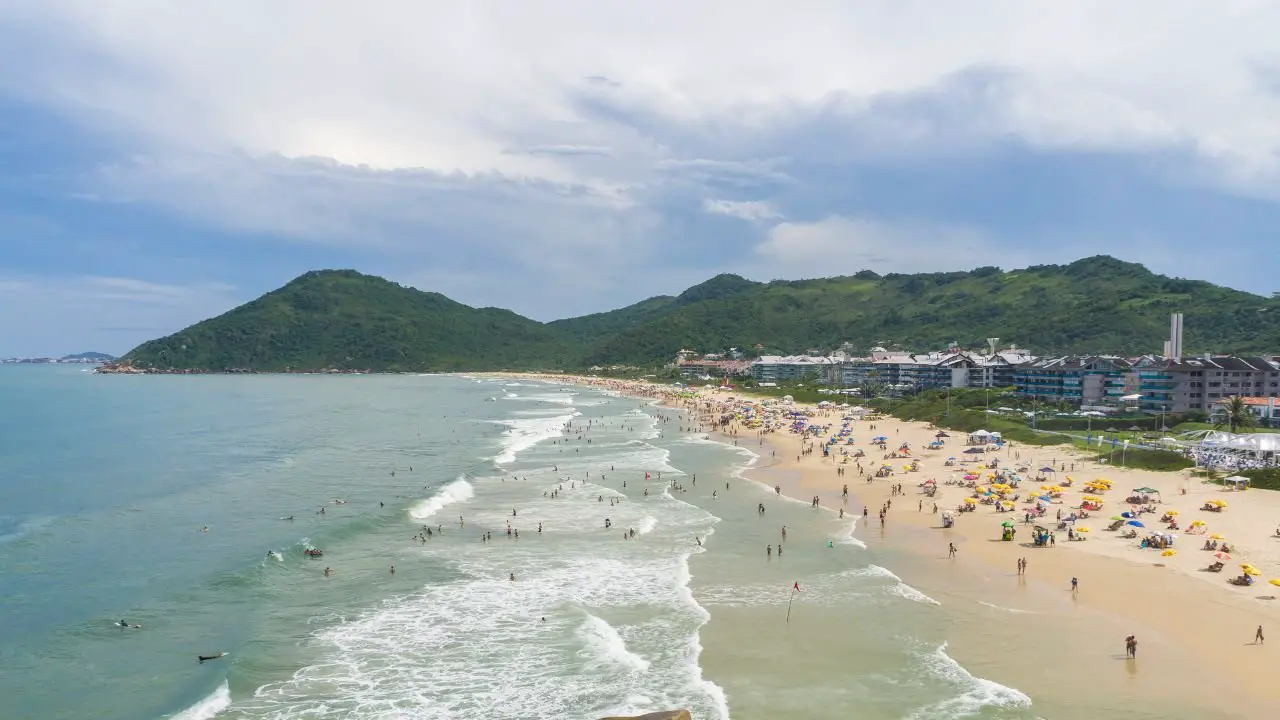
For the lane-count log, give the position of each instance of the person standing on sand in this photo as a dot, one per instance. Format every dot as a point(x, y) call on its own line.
point(951, 550)
point(1257, 636)
point(1075, 586)
point(1131, 647)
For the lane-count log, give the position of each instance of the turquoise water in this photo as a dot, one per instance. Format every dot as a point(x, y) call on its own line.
point(106, 485)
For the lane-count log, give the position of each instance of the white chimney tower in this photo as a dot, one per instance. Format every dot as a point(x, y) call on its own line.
point(1175, 336)
point(991, 345)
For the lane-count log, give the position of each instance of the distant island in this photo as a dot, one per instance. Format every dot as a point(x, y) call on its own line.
point(345, 321)
point(87, 358)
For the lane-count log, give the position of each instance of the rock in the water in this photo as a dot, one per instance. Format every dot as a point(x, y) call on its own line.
point(663, 715)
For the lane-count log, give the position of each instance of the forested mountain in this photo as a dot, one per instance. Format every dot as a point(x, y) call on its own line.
point(342, 319)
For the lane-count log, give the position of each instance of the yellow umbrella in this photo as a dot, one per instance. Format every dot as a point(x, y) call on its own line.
point(1167, 553)
point(1082, 529)
point(1217, 536)
point(1250, 570)
point(971, 501)
point(1275, 581)
point(1197, 523)
point(1171, 512)
point(1046, 488)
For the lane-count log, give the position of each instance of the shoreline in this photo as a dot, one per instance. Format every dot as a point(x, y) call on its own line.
point(1205, 624)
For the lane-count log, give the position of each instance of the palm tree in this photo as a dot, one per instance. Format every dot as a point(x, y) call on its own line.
point(1235, 414)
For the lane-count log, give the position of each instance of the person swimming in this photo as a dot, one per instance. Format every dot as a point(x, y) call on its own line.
point(125, 624)
point(211, 657)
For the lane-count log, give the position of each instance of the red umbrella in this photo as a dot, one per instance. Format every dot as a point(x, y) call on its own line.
point(1222, 556)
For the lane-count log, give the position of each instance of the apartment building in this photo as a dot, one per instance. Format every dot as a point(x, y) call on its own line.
point(782, 368)
point(1173, 385)
point(1081, 380)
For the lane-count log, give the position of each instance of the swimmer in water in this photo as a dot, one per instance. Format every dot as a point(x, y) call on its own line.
point(125, 624)
point(211, 657)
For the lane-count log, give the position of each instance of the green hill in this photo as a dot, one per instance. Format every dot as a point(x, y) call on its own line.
point(343, 319)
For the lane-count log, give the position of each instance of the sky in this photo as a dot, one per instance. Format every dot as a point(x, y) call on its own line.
point(161, 163)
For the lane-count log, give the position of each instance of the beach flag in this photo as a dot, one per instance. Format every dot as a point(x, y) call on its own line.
point(796, 587)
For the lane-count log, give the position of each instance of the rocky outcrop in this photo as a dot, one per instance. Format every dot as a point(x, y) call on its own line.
point(662, 715)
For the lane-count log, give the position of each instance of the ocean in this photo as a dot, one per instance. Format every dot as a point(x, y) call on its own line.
point(163, 501)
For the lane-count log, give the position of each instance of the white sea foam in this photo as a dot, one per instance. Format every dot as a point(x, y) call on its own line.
point(847, 538)
point(524, 433)
point(1008, 609)
point(25, 528)
point(898, 587)
point(975, 693)
point(209, 707)
point(601, 642)
point(904, 590)
point(646, 525)
point(457, 491)
point(555, 398)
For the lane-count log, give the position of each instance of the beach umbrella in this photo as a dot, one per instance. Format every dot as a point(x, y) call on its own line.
point(942, 434)
point(1169, 553)
point(1171, 512)
point(1135, 523)
point(1128, 514)
point(1082, 529)
point(1275, 581)
point(1217, 536)
point(1007, 523)
point(1045, 498)
point(1248, 569)
point(1222, 556)
point(1046, 468)
point(1116, 517)
point(971, 501)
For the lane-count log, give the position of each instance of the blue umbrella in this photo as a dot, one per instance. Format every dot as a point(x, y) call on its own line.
point(1128, 514)
point(1046, 498)
point(1135, 523)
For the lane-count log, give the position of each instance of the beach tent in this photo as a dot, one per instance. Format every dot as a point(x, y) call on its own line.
point(1149, 491)
point(1046, 468)
point(1237, 480)
point(974, 451)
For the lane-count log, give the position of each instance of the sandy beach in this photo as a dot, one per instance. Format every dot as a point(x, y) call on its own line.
point(1193, 627)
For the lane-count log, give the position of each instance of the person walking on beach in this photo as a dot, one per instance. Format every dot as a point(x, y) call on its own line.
point(1257, 636)
point(951, 550)
point(1075, 586)
point(1131, 647)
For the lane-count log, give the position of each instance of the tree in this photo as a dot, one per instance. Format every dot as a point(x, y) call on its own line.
point(1235, 414)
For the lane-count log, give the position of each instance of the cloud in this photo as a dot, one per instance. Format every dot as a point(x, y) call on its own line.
point(443, 86)
point(843, 246)
point(109, 314)
point(566, 150)
point(752, 210)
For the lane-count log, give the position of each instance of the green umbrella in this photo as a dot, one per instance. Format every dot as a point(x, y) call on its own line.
point(1007, 523)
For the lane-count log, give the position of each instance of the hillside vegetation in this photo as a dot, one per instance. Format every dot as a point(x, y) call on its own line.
point(343, 319)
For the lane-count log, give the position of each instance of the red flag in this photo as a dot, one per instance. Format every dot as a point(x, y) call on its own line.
point(796, 587)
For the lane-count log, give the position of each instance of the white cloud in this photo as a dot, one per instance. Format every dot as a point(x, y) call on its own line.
point(453, 86)
point(752, 210)
point(842, 246)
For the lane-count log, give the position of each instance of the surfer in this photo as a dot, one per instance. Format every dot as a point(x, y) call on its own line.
point(287, 518)
point(125, 624)
point(211, 657)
